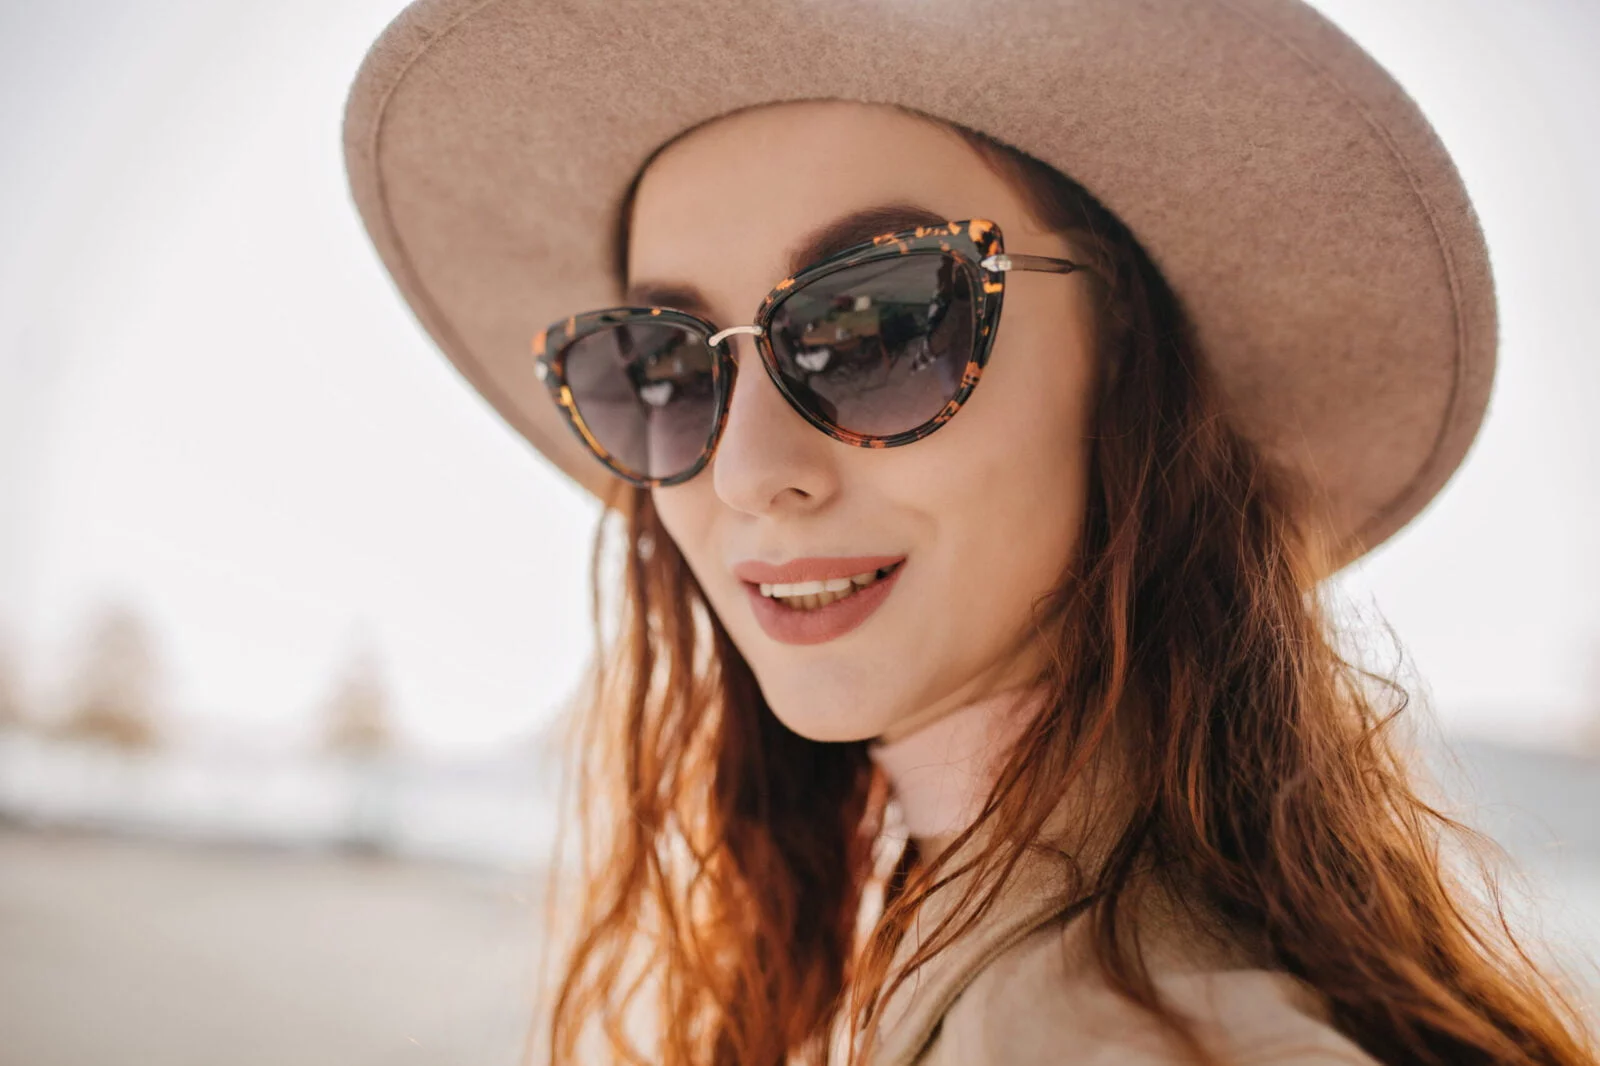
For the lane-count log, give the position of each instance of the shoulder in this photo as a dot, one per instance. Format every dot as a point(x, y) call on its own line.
point(1043, 1001)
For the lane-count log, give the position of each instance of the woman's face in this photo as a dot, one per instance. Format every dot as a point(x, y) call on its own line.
point(984, 512)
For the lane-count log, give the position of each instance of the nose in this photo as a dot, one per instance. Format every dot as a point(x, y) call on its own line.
point(769, 458)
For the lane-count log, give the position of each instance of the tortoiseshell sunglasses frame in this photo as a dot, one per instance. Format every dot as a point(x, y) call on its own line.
point(975, 244)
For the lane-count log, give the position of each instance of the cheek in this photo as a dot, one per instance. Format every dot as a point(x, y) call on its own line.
point(1009, 523)
point(688, 513)
point(1010, 473)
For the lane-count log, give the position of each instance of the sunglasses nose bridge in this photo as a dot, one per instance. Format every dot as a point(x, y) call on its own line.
point(718, 337)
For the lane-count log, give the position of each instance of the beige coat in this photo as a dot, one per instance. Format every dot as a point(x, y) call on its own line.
point(1020, 989)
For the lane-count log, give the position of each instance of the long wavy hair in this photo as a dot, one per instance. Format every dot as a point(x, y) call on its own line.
point(728, 862)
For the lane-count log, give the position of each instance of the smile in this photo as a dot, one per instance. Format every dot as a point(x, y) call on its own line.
point(813, 612)
point(809, 595)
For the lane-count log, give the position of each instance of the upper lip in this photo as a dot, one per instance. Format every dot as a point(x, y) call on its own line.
point(811, 569)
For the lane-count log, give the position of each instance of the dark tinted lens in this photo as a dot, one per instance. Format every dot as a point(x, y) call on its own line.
point(647, 392)
point(878, 348)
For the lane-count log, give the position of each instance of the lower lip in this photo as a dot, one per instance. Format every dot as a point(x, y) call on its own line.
point(790, 625)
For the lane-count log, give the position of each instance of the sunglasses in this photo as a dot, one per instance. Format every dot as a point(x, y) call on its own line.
point(877, 346)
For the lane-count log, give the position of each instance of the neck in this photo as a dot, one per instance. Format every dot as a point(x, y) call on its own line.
point(941, 773)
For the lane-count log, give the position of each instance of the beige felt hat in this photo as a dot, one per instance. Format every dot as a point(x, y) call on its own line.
point(1291, 192)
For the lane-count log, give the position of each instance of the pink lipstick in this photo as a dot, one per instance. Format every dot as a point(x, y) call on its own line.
point(816, 625)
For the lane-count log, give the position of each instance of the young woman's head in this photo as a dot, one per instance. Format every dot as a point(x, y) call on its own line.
point(983, 514)
point(1090, 524)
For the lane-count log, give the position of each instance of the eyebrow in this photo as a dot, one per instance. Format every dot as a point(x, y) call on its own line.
point(849, 229)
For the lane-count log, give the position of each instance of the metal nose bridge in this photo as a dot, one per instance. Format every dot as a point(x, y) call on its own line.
point(716, 338)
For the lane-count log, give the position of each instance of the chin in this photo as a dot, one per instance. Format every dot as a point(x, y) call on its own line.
point(815, 716)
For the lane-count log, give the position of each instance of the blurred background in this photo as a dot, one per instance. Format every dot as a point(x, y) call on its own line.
point(281, 641)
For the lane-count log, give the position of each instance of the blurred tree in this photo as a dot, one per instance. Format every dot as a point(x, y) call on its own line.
point(357, 718)
point(357, 730)
point(1589, 737)
point(115, 699)
point(12, 713)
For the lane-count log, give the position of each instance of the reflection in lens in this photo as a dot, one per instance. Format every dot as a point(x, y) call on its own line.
point(646, 392)
point(881, 347)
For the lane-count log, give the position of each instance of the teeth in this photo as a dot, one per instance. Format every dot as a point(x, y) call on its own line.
point(808, 595)
point(816, 588)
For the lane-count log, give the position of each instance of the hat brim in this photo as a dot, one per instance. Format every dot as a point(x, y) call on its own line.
point(1295, 197)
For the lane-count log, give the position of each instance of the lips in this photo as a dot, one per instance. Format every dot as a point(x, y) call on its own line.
point(752, 572)
point(817, 625)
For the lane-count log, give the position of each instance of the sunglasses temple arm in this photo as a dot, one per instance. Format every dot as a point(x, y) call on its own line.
point(1045, 263)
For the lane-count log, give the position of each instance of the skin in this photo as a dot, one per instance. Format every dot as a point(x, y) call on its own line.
point(986, 510)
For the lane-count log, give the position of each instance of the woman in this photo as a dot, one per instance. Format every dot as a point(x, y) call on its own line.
point(1046, 591)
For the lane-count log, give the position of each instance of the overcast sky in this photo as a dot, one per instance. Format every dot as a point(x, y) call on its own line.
point(214, 407)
